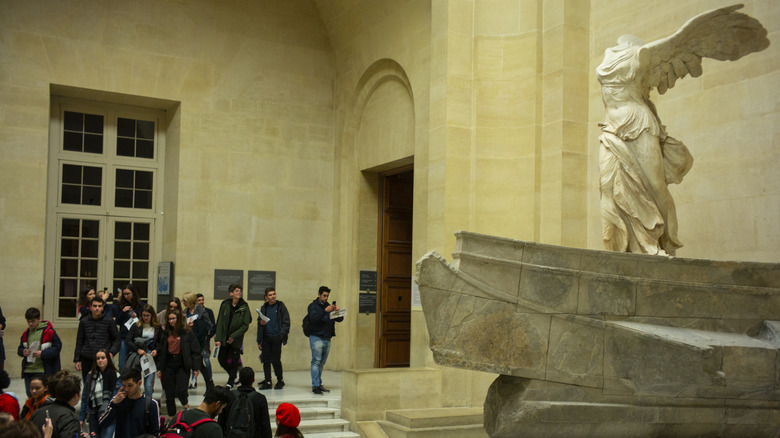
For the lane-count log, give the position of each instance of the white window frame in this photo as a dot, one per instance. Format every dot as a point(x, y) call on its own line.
point(106, 213)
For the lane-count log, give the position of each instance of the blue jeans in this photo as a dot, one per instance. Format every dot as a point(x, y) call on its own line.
point(122, 355)
point(106, 431)
point(320, 347)
point(149, 385)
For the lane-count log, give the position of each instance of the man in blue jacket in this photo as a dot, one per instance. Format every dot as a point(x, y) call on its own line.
point(321, 329)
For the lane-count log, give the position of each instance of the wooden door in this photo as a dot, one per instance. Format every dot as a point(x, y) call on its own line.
point(394, 303)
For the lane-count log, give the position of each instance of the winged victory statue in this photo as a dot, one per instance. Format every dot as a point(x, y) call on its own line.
point(637, 158)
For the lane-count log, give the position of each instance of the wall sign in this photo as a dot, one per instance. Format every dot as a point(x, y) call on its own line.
point(367, 303)
point(368, 281)
point(257, 282)
point(165, 278)
point(223, 278)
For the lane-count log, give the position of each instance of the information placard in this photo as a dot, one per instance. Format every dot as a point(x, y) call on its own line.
point(223, 278)
point(258, 281)
point(368, 281)
point(367, 303)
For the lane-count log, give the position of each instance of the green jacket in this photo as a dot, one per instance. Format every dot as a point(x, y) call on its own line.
point(238, 326)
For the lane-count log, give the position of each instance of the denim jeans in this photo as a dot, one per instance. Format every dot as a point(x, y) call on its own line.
point(105, 431)
point(320, 347)
point(149, 385)
point(123, 352)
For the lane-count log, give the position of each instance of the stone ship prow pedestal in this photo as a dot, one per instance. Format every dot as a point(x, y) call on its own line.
point(598, 343)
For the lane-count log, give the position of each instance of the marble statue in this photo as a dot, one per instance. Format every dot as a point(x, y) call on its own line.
point(637, 158)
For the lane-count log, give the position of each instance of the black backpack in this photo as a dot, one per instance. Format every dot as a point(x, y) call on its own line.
point(180, 429)
point(241, 419)
point(306, 330)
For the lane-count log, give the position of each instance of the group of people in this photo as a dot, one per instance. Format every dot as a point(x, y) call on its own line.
point(117, 399)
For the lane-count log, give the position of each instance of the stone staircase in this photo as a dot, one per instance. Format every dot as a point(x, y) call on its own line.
point(426, 423)
point(320, 417)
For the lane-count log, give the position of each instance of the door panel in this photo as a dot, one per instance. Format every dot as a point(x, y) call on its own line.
point(395, 270)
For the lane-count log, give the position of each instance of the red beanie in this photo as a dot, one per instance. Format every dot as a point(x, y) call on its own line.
point(288, 415)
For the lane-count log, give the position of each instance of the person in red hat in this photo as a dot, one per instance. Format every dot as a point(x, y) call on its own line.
point(288, 417)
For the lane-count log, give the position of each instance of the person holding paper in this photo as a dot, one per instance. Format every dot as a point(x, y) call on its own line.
point(273, 326)
point(101, 384)
point(200, 323)
point(41, 345)
point(130, 308)
point(322, 329)
point(95, 332)
point(233, 321)
point(142, 337)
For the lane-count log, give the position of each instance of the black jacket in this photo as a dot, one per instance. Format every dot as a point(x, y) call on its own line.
point(262, 426)
point(190, 351)
point(95, 334)
point(284, 322)
point(320, 324)
point(63, 418)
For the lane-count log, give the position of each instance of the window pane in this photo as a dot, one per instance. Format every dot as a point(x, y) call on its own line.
point(89, 248)
point(67, 308)
point(93, 123)
point(143, 287)
point(93, 143)
point(141, 251)
point(122, 230)
point(69, 267)
point(70, 227)
point(124, 198)
point(88, 268)
point(124, 178)
point(122, 250)
point(140, 270)
point(143, 199)
point(90, 229)
point(71, 174)
point(71, 194)
point(141, 231)
point(145, 129)
point(143, 180)
point(121, 269)
point(72, 141)
point(144, 149)
point(69, 248)
point(74, 121)
point(90, 196)
point(125, 127)
point(125, 147)
point(93, 176)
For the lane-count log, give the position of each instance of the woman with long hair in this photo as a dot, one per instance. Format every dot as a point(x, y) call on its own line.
point(173, 303)
point(99, 387)
point(85, 297)
point(288, 417)
point(38, 395)
point(179, 353)
point(130, 306)
point(142, 338)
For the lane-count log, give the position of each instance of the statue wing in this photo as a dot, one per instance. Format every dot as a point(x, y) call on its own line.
point(722, 34)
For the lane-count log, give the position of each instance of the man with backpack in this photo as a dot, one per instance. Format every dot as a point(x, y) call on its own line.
point(199, 422)
point(133, 412)
point(246, 416)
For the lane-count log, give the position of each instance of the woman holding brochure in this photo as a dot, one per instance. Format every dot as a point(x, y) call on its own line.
point(200, 323)
point(142, 338)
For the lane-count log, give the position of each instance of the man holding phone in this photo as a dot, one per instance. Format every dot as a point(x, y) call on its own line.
point(134, 414)
point(321, 328)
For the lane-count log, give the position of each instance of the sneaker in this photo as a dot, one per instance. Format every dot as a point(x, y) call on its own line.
point(322, 388)
point(317, 390)
point(190, 387)
point(229, 385)
point(265, 384)
point(279, 384)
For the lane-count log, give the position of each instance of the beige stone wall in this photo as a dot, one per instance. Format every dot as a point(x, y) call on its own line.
point(729, 204)
point(250, 160)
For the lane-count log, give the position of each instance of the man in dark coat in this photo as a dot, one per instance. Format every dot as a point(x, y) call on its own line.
point(96, 331)
point(321, 329)
point(261, 421)
point(271, 335)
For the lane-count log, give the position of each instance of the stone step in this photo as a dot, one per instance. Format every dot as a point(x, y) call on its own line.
point(371, 429)
point(312, 413)
point(307, 427)
point(432, 423)
point(345, 434)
